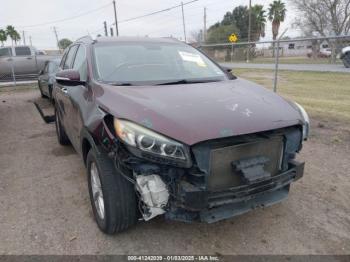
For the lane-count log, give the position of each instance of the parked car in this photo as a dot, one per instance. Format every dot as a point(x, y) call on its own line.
point(345, 56)
point(322, 53)
point(47, 76)
point(25, 61)
point(162, 129)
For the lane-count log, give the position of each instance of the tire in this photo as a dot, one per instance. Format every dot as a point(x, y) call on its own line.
point(346, 60)
point(118, 194)
point(61, 133)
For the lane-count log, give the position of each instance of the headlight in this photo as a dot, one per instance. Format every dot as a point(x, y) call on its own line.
point(149, 141)
point(306, 124)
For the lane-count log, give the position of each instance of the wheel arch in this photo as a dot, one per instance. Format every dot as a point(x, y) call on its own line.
point(87, 142)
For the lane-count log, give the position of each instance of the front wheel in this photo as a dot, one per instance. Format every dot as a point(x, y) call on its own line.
point(112, 197)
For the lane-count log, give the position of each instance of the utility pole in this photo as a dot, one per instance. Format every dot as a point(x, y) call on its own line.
point(112, 31)
point(183, 20)
point(30, 40)
point(55, 32)
point(116, 19)
point(249, 29)
point(205, 25)
point(24, 38)
point(105, 26)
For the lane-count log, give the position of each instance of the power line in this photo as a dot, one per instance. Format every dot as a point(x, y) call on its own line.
point(66, 19)
point(156, 12)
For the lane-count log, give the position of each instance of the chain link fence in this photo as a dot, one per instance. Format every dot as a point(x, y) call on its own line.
point(321, 54)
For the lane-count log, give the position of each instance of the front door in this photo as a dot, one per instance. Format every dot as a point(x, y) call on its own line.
point(63, 95)
point(79, 96)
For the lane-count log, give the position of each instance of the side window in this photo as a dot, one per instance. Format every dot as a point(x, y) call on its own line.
point(70, 57)
point(52, 67)
point(5, 52)
point(63, 59)
point(80, 63)
point(23, 51)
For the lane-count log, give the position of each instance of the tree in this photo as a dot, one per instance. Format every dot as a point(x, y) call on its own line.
point(324, 17)
point(220, 33)
point(237, 21)
point(259, 17)
point(3, 36)
point(12, 33)
point(277, 14)
point(240, 17)
point(16, 37)
point(64, 43)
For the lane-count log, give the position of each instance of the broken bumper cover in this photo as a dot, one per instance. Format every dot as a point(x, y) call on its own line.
point(198, 204)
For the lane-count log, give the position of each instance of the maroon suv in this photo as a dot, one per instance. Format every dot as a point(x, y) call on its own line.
point(162, 129)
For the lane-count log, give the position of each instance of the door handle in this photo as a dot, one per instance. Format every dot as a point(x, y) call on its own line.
point(29, 58)
point(9, 59)
point(64, 90)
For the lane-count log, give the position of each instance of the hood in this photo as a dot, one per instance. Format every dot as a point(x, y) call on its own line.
point(345, 50)
point(193, 113)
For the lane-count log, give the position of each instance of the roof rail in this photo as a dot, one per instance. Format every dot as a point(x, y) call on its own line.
point(86, 38)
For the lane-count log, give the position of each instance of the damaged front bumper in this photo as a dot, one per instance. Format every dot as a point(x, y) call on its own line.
point(228, 177)
point(196, 204)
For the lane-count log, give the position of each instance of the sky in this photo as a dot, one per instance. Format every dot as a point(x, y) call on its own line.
point(38, 17)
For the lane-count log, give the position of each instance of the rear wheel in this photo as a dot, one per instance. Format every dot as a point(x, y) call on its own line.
point(50, 93)
point(346, 60)
point(112, 197)
point(61, 133)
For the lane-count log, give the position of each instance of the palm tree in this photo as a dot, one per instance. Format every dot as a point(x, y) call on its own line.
point(260, 20)
point(277, 14)
point(3, 36)
point(12, 33)
point(16, 37)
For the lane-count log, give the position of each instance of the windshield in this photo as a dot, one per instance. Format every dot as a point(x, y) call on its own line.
point(153, 63)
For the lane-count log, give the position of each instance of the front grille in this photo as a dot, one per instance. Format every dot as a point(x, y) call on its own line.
point(223, 175)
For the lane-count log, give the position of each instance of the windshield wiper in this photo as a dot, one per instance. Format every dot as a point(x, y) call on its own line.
point(120, 84)
point(185, 81)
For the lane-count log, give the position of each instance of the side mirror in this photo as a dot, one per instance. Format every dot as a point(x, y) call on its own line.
point(69, 77)
point(228, 71)
point(41, 72)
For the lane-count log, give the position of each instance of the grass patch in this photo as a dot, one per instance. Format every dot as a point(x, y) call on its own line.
point(321, 93)
point(293, 60)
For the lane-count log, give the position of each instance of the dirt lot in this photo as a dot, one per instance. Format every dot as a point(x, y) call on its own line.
point(45, 207)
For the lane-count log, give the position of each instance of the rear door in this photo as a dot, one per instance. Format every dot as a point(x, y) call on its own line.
point(24, 61)
point(62, 93)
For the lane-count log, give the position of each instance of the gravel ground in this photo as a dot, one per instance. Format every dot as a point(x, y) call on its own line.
point(45, 207)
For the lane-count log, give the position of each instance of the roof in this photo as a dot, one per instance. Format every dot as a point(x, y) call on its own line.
point(119, 39)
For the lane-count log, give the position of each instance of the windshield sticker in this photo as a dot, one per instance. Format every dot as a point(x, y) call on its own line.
point(190, 57)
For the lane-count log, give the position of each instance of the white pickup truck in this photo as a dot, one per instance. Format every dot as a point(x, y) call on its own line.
point(24, 61)
point(345, 56)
